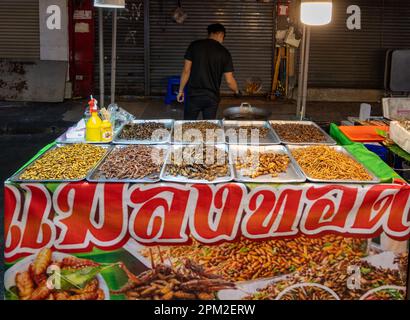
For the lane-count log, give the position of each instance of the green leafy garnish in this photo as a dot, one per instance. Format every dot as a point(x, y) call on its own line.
point(206, 251)
point(12, 294)
point(365, 270)
point(244, 250)
point(80, 278)
point(395, 294)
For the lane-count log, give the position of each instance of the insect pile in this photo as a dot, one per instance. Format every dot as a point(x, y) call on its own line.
point(142, 131)
point(249, 260)
point(132, 162)
point(250, 131)
point(188, 281)
point(255, 164)
point(322, 162)
point(199, 162)
point(334, 277)
point(69, 162)
point(198, 131)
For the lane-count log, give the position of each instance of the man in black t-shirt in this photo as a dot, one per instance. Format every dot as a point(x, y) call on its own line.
point(206, 61)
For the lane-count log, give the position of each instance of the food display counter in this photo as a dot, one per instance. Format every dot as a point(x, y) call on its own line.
point(174, 218)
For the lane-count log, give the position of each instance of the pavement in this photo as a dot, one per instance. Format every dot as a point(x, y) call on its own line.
point(26, 127)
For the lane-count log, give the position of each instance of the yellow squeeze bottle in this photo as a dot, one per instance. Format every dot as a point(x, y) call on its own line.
point(93, 126)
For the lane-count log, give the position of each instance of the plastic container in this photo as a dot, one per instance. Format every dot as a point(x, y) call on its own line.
point(364, 133)
point(381, 151)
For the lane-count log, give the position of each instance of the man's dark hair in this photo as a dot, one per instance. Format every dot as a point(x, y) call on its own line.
point(215, 28)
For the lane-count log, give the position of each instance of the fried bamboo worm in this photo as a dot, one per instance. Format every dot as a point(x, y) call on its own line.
point(42, 261)
point(25, 285)
point(41, 293)
point(85, 296)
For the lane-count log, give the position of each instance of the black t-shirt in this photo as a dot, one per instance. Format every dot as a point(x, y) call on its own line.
point(210, 60)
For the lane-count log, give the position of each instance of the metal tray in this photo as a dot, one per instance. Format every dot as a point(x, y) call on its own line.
point(375, 180)
point(169, 124)
point(271, 138)
point(293, 175)
point(96, 176)
point(178, 123)
point(181, 179)
point(16, 176)
point(328, 141)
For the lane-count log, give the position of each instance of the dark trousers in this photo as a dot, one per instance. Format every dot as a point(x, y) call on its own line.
point(195, 105)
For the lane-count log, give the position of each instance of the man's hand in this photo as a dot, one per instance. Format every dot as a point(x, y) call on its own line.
point(238, 94)
point(181, 97)
point(232, 84)
point(186, 73)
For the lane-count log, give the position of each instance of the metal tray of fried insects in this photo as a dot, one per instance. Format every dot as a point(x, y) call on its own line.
point(234, 137)
point(340, 149)
point(327, 139)
point(17, 175)
point(161, 138)
point(165, 176)
point(178, 134)
point(293, 173)
point(97, 176)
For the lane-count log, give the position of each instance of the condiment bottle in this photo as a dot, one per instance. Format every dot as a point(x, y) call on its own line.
point(106, 131)
point(93, 126)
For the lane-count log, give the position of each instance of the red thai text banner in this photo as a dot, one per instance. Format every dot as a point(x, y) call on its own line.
point(77, 217)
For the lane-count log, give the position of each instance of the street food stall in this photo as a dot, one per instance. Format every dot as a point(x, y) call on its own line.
point(277, 210)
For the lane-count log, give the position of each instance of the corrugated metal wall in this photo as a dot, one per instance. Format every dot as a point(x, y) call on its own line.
point(249, 37)
point(130, 49)
point(19, 30)
point(343, 58)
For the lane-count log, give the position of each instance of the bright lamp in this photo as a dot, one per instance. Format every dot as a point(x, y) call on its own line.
point(116, 4)
point(316, 13)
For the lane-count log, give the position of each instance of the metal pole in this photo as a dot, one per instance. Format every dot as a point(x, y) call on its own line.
point(305, 74)
point(113, 54)
point(301, 68)
point(101, 48)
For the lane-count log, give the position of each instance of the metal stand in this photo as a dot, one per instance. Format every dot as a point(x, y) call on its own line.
point(113, 55)
point(101, 48)
point(301, 69)
point(303, 73)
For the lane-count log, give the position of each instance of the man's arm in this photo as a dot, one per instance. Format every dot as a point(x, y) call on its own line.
point(186, 73)
point(232, 84)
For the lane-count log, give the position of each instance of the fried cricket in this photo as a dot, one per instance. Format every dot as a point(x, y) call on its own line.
point(163, 282)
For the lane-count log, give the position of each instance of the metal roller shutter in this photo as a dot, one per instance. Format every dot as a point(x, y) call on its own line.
point(249, 37)
point(19, 30)
point(130, 49)
point(342, 58)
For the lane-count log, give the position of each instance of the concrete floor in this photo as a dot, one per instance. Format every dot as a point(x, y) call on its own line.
point(26, 127)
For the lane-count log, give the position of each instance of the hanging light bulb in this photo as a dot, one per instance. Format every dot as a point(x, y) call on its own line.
point(118, 4)
point(316, 12)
